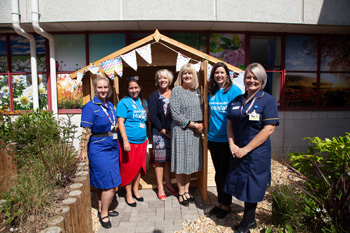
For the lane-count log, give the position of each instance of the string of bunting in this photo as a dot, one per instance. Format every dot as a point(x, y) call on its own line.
point(115, 65)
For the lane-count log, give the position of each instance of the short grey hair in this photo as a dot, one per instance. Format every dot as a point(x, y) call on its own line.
point(259, 72)
point(165, 73)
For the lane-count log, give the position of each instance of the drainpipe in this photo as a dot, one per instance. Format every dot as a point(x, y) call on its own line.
point(33, 62)
point(40, 31)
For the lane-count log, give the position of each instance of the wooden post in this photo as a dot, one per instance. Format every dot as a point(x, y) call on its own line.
point(81, 210)
point(65, 212)
point(86, 198)
point(72, 203)
point(56, 221)
point(52, 230)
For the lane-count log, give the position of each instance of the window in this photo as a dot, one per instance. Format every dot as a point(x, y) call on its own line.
point(229, 48)
point(69, 92)
point(195, 40)
point(3, 56)
point(101, 45)
point(70, 52)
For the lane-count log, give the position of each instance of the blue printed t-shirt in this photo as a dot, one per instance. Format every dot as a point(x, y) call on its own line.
point(95, 118)
point(134, 116)
point(218, 113)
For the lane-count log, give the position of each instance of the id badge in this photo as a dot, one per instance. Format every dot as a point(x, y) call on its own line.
point(142, 125)
point(254, 117)
point(115, 136)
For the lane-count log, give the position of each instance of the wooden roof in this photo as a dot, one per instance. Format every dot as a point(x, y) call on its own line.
point(164, 53)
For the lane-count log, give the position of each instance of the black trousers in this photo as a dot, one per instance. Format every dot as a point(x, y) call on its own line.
point(220, 154)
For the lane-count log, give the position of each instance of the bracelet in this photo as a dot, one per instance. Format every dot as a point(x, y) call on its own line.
point(194, 125)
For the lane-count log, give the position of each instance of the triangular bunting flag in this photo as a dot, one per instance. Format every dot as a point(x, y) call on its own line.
point(232, 75)
point(239, 81)
point(94, 69)
point(210, 67)
point(197, 66)
point(181, 60)
point(130, 59)
point(109, 66)
point(79, 76)
point(145, 53)
point(119, 66)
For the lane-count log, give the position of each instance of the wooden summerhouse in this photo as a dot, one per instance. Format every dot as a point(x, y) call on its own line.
point(164, 56)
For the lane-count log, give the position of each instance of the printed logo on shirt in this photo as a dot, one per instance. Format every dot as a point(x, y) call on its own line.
point(218, 106)
point(139, 114)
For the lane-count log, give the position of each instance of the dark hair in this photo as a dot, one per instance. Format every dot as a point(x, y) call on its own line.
point(213, 86)
point(136, 80)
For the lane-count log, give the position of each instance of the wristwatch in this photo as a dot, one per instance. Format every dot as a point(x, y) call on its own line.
point(194, 125)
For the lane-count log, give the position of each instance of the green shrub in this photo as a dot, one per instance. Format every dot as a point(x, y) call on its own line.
point(45, 159)
point(287, 207)
point(325, 173)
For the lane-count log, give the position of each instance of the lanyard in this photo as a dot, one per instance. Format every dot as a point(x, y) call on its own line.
point(109, 117)
point(141, 111)
point(250, 106)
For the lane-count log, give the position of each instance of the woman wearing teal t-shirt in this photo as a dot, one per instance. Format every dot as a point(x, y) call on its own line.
point(132, 118)
point(222, 92)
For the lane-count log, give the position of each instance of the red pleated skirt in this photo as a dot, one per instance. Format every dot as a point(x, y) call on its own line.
point(132, 162)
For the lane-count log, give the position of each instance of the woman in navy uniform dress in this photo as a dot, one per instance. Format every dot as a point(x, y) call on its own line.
point(99, 119)
point(252, 119)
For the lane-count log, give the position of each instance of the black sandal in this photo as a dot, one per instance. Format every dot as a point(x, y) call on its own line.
point(184, 201)
point(105, 224)
point(191, 198)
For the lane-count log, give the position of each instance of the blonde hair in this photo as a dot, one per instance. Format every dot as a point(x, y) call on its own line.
point(190, 69)
point(103, 76)
point(165, 73)
point(259, 72)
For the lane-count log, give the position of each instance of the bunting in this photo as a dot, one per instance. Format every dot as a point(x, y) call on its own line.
point(94, 69)
point(239, 81)
point(181, 60)
point(130, 59)
point(79, 76)
point(109, 66)
point(145, 53)
point(197, 66)
point(210, 67)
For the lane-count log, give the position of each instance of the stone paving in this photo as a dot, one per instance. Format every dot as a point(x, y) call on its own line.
point(156, 216)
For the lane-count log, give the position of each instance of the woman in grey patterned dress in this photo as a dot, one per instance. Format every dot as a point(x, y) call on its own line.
point(186, 145)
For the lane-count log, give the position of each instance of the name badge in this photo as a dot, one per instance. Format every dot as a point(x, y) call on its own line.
point(254, 116)
point(115, 136)
point(235, 107)
point(142, 125)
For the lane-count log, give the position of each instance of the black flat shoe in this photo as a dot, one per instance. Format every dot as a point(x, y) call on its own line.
point(252, 225)
point(214, 210)
point(191, 198)
point(184, 201)
point(111, 213)
point(140, 199)
point(241, 230)
point(222, 213)
point(105, 224)
point(130, 204)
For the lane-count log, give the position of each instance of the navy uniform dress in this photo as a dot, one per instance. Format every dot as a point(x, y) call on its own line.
point(248, 177)
point(103, 152)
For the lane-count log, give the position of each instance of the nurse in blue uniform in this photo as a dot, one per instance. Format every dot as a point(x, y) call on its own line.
point(252, 119)
point(99, 120)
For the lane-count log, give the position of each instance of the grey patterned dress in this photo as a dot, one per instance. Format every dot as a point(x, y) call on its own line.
point(186, 145)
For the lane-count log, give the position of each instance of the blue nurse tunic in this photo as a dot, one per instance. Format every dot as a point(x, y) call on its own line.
point(248, 177)
point(103, 152)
